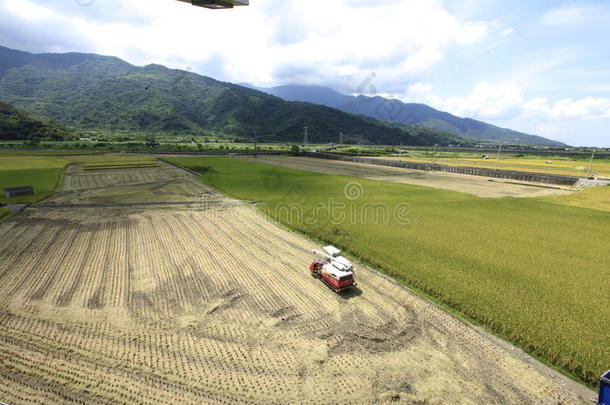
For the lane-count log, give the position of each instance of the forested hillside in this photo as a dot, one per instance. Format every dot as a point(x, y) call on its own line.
point(99, 92)
point(18, 125)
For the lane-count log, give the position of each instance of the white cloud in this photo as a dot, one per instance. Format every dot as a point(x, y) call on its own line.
point(504, 104)
point(328, 37)
point(506, 100)
point(27, 11)
point(567, 109)
point(507, 31)
point(576, 15)
point(420, 93)
point(486, 100)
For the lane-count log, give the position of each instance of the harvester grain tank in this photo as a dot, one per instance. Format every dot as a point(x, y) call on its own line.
point(333, 269)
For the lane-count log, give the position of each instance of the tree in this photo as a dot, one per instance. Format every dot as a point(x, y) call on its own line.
point(151, 141)
point(295, 149)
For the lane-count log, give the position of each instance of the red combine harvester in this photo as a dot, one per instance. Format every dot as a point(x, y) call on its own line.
point(333, 269)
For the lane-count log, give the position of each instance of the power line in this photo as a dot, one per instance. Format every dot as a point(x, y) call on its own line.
point(591, 164)
point(498, 157)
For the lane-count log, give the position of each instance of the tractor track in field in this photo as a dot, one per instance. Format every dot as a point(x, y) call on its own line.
point(150, 304)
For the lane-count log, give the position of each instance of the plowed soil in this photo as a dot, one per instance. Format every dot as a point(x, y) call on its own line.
point(215, 304)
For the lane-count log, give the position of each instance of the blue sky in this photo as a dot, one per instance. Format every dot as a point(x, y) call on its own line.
point(541, 67)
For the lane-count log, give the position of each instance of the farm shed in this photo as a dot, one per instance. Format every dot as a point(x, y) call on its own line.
point(18, 191)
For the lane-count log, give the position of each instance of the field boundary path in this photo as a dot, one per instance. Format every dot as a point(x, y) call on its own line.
point(472, 171)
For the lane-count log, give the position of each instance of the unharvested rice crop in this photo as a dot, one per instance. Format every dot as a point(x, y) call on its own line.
point(595, 198)
point(557, 165)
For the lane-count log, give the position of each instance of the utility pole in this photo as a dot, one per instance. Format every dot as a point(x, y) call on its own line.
point(498, 157)
point(255, 156)
point(306, 137)
point(434, 154)
point(591, 164)
point(340, 138)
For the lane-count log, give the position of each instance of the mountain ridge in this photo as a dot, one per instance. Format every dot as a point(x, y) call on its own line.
point(394, 110)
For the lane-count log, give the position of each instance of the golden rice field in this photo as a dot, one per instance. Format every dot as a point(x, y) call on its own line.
point(597, 198)
point(561, 166)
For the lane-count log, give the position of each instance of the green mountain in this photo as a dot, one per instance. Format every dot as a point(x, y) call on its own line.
point(407, 113)
point(19, 125)
point(99, 92)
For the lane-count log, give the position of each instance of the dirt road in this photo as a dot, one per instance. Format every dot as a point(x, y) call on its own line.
point(214, 304)
point(477, 185)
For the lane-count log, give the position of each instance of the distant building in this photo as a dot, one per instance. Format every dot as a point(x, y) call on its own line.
point(18, 191)
point(86, 140)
